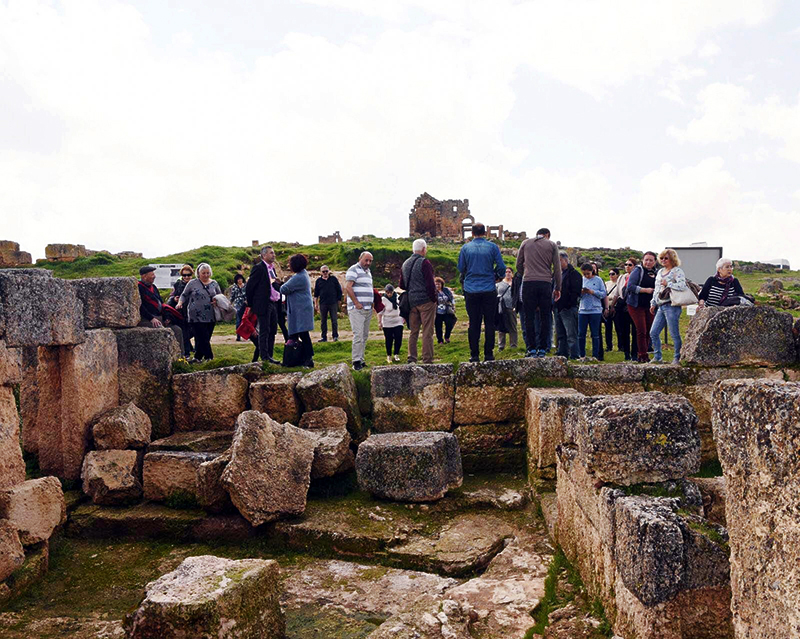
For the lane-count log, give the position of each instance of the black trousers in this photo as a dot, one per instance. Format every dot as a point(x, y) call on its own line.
point(331, 310)
point(267, 328)
point(481, 307)
point(280, 313)
point(624, 324)
point(307, 347)
point(608, 326)
point(538, 296)
point(446, 321)
point(202, 339)
point(394, 339)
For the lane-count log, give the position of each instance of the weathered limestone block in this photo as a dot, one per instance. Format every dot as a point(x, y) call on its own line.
point(409, 466)
point(200, 441)
point(495, 391)
point(10, 255)
point(611, 379)
point(86, 377)
point(29, 398)
point(170, 474)
point(211, 493)
point(65, 252)
point(758, 439)
point(641, 437)
point(122, 427)
point(12, 555)
point(37, 309)
point(108, 302)
point(413, 398)
point(333, 386)
point(146, 356)
point(35, 507)
point(713, 494)
point(12, 466)
point(332, 454)
point(739, 336)
point(492, 447)
point(270, 468)
point(209, 597)
point(277, 397)
point(110, 477)
point(545, 415)
point(209, 400)
point(10, 365)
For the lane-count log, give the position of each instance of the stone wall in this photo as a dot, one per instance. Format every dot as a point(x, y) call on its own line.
point(437, 218)
point(10, 255)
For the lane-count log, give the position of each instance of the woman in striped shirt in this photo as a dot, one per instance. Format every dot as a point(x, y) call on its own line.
point(721, 286)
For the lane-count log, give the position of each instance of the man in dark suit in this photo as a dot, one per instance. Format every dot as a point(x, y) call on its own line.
point(262, 298)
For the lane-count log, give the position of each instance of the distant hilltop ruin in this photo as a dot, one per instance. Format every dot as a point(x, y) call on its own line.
point(71, 252)
point(10, 255)
point(450, 220)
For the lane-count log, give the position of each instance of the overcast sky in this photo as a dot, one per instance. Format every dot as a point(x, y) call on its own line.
point(160, 126)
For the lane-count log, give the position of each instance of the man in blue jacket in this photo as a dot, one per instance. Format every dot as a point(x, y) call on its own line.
point(481, 266)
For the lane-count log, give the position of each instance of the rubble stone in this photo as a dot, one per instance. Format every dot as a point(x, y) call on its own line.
point(34, 293)
point(211, 597)
point(121, 428)
point(545, 416)
point(12, 555)
point(636, 438)
point(10, 365)
point(739, 336)
point(332, 454)
point(35, 507)
point(170, 474)
point(146, 356)
point(110, 477)
point(409, 466)
point(12, 466)
point(333, 386)
point(277, 397)
point(495, 391)
point(200, 441)
point(208, 400)
point(211, 493)
point(108, 302)
point(412, 397)
point(270, 468)
point(756, 428)
point(713, 494)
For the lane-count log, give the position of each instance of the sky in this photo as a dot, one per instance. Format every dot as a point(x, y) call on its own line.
point(160, 126)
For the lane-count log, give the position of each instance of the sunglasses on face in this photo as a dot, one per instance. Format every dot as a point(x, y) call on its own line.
point(186, 274)
point(629, 264)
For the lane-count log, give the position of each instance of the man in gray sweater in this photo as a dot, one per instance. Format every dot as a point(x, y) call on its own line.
point(538, 262)
point(416, 277)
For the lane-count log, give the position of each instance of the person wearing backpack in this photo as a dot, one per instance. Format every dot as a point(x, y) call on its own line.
point(416, 278)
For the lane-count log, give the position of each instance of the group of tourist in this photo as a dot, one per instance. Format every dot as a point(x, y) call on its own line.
point(546, 293)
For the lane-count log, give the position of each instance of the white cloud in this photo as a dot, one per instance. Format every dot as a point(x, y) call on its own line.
point(709, 50)
point(680, 75)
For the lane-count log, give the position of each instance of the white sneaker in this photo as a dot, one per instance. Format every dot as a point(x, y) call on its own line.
point(388, 360)
point(396, 358)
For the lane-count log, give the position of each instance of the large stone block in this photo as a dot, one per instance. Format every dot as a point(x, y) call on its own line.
point(12, 555)
point(495, 391)
point(110, 477)
point(89, 385)
point(610, 379)
point(172, 475)
point(739, 336)
point(332, 452)
point(641, 437)
point(496, 448)
point(277, 397)
point(35, 507)
point(209, 400)
point(121, 428)
point(270, 468)
point(333, 386)
point(413, 398)
point(37, 309)
point(108, 302)
point(146, 356)
point(200, 441)
point(409, 466)
point(545, 415)
point(210, 597)
point(10, 365)
point(12, 466)
point(758, 439)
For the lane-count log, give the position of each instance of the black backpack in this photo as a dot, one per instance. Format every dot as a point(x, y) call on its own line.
point(404, 306)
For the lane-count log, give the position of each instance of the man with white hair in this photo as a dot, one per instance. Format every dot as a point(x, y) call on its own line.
point(416, 278)
point(360, 297)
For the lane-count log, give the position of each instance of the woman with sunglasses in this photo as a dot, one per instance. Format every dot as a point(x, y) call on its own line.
point(198, 298)
point(670, 278)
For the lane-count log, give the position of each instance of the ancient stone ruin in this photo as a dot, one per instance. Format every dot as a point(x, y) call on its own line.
point(10, 255)
point(450, 220)
point(71, 252)
point(428, 501)
point(334, 238)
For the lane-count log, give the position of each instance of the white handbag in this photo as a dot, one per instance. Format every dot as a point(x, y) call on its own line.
point(683, 298)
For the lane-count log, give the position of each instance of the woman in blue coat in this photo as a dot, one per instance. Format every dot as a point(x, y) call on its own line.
point(300, 307)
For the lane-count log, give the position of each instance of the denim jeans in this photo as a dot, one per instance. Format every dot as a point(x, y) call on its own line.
point(585, 320)
point(567, 332)
point(669, 315)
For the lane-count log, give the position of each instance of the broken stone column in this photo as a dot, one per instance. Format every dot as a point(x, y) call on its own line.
point(757, 428)
point(546, 417)
point(631, 523)
point(209, 596)
point(412, 398)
